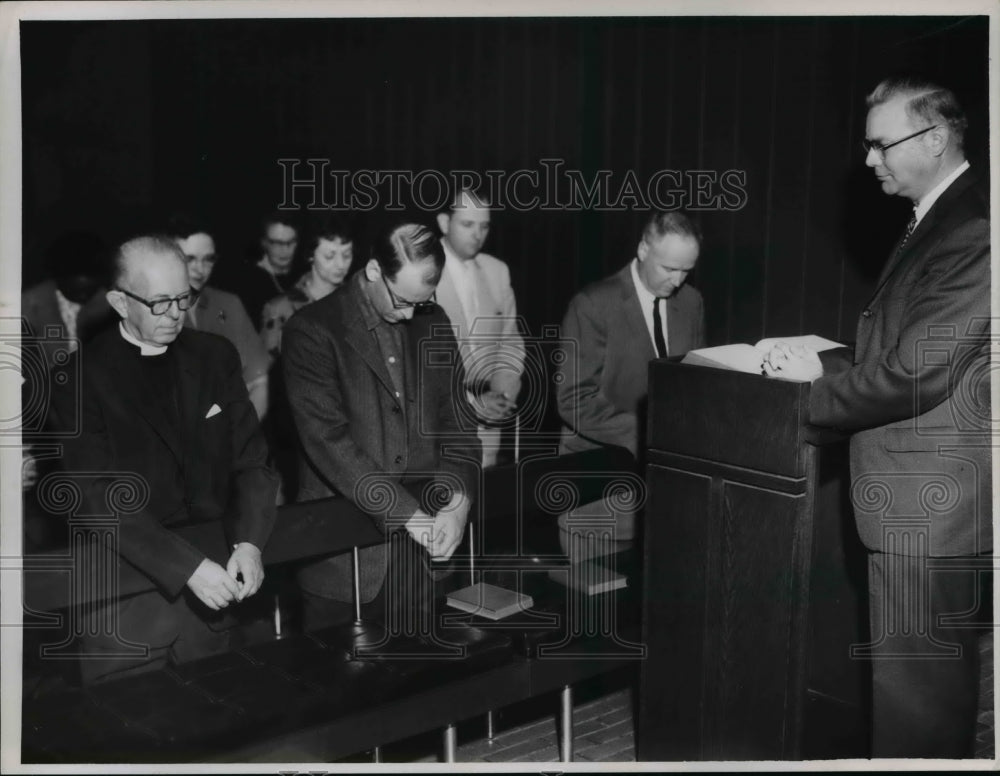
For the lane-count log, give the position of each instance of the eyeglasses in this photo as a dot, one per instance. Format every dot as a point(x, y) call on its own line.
point(162, 306)
point(879, 149)
point(404, 304)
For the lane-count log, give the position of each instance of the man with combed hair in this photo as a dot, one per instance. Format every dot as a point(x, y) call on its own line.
point(476, 294)
point(914, 394)
point(619, 324)
point(371, 417)
point(169, 405)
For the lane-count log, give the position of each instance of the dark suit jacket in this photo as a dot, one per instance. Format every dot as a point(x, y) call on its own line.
point(917, 392)
point(215, 468)
point(352, 425)
point(601, 391)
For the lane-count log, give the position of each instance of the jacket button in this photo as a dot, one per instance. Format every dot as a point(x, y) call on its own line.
point(395, 409)
point(866, 313)
point(399, 459)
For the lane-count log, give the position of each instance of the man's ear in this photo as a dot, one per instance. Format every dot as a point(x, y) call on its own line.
point(642, 250)
point(938, 139)
point(117, 301)
point(372, 270)
point(443, 220)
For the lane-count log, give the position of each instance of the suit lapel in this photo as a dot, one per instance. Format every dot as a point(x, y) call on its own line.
point(448, 298)
point(634, 318)
point(362, 340)
point(191, 387)
point(925, 227)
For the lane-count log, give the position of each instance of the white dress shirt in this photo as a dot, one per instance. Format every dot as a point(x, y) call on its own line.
point(646, 302)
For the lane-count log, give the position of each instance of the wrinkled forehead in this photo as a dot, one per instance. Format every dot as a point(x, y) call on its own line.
point(156, 273)
point(673, 251)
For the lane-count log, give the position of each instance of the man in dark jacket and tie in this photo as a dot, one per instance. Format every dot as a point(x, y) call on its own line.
point(915, 394)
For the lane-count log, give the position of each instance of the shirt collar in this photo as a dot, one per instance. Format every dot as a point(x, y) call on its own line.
point(646, 298)
point(920, 210)
point(144, 349)
point(368, 312)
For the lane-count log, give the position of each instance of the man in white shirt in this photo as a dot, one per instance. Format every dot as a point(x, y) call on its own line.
point(476, 294)
point(644, 311)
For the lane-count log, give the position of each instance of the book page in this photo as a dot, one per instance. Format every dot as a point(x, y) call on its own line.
point(741, 357)
point(814, 341)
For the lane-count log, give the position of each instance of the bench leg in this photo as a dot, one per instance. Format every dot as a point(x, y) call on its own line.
point(377, 754)
point(449, 744)
point(566, 725)
point(278, 625)
point(489, 726)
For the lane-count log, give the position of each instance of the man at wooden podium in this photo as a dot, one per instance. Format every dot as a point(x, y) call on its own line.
point(915, 395)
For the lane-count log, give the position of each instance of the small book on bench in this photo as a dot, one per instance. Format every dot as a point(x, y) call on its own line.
point(489, 601)
point(589, 577)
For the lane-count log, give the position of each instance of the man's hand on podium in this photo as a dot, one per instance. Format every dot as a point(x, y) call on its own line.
point(794, 362)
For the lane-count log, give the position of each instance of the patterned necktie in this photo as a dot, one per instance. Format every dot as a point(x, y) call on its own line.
point(661, 344)
point(910, 226)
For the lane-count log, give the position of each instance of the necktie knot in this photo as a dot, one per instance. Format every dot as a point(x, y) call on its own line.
point(910, 226)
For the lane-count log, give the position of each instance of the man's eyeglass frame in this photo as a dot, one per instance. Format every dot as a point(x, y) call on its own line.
point(398, 303)
point(878, 148)
point(184, 302)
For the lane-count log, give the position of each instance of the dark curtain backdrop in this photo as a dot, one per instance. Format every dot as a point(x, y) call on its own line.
point(126, 120)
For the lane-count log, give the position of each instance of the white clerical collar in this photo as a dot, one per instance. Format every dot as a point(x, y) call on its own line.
point(931, 197)
point(144, 349)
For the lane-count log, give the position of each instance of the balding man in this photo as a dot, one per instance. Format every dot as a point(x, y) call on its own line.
point(169, 404)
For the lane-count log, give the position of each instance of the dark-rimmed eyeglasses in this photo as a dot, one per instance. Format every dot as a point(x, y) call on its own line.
point(184, 302)
point(405, 304)
point(880, 149)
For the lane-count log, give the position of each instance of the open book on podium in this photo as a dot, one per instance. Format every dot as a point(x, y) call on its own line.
point(748, 358)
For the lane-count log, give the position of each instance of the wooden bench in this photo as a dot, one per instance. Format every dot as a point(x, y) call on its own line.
point(308, 694)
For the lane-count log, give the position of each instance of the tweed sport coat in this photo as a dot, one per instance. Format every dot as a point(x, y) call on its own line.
point(916, 392)
point(357, 436)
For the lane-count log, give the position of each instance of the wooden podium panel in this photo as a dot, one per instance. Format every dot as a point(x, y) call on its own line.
point(729, 555)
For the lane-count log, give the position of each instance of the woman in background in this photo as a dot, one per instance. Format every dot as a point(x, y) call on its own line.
point(331, 252)
point(220, 312)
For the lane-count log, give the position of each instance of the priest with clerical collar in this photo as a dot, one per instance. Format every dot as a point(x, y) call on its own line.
point(167, 407)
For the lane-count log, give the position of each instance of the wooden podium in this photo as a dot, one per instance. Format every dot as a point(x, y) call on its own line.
point(754, 583)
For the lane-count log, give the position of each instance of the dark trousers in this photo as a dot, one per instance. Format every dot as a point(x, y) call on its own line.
point(925, 669)
point(404, 604)
point(144, 632)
